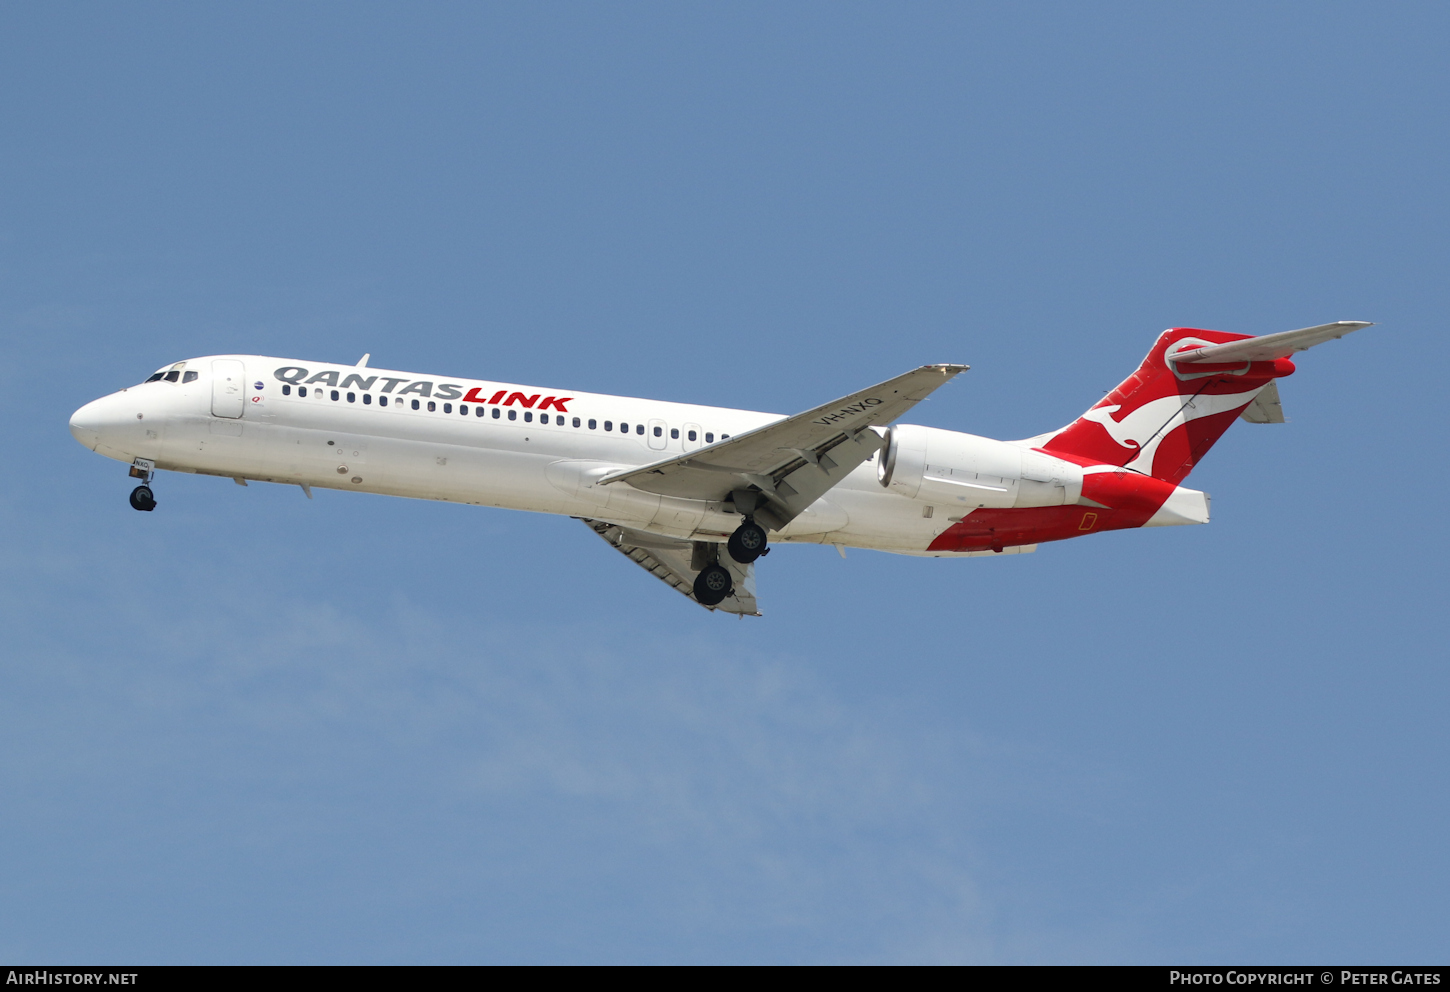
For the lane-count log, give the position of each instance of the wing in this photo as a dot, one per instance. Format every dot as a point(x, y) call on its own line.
point(1268, 347)
point(669, 561)
point(784, 467)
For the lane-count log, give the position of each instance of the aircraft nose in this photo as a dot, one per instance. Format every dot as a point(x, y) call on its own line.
point(86, 424)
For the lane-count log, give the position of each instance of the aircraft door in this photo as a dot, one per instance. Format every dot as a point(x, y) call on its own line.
point(658, 435)
point(228, 388)
point(690, 435)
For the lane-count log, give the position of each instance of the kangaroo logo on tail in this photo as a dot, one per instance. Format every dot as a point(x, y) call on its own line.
point(1130, 425)
point(1143, 429)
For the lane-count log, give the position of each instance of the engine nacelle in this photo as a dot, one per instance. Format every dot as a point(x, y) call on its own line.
point(968, 471)
point(902, 461)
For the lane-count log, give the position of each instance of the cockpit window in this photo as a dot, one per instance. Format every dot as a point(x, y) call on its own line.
point(174, 373)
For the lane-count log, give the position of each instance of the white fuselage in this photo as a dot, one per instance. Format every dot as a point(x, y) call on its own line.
point(233, 419)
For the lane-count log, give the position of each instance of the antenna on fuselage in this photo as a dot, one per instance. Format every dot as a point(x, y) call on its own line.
point(362, 362)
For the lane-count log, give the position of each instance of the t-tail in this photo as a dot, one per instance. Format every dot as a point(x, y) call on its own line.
point(1194, 383)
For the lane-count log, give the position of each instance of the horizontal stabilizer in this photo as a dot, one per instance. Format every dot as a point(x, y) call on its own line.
point(1268, 347)
point(1265, 409)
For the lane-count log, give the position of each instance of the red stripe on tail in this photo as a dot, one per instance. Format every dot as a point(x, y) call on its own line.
point(1164, 417)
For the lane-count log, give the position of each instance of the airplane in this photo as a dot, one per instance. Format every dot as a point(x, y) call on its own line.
point(696, 495)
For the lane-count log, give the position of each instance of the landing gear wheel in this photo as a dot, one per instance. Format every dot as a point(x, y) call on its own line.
point(712, 585)
point(143, 499)
point(747, 543)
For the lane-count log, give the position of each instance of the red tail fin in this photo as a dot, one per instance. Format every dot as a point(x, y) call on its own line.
point(1165, 416)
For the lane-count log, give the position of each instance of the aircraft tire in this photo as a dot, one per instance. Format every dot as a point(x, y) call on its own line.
point(143, 499)
point(747, 543)
point(712, 585)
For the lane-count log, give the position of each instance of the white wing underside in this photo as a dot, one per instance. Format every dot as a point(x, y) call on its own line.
point(669, 561)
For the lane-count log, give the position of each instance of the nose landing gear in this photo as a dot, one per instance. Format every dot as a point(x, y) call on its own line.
point(142, 498)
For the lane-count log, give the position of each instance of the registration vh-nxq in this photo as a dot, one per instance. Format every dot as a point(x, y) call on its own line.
point(696, 494)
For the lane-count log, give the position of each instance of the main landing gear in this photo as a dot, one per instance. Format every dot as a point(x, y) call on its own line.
point(142, 498)
point(747, 543)
point(712, 585)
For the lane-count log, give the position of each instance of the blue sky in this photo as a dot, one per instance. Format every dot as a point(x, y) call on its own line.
point(253, 728)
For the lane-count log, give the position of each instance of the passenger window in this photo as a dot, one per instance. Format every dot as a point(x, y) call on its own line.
point(157, 377)
point(415, 404)
point(190, 376)
point(513, 415)
point(463, 409)
point(302, 391)
point(367, 399)
point(592, 423)
point(675, 433)
point(659, 432)
point(479, 410)
point(173, 375)
point(495, 413)
point(543, 418)
point(609, 425)
point(447, 407)
point(576, 421)
point(286, 390)
point(692, 435)
point(334, 395)
point(528, 417)
point(709, 438)
point(432, 407)
point(352, 397)
point(382, 401)
point(724, 437)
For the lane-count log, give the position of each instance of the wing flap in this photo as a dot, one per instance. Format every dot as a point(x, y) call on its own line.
point(1268, 347)
point(793, 462)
